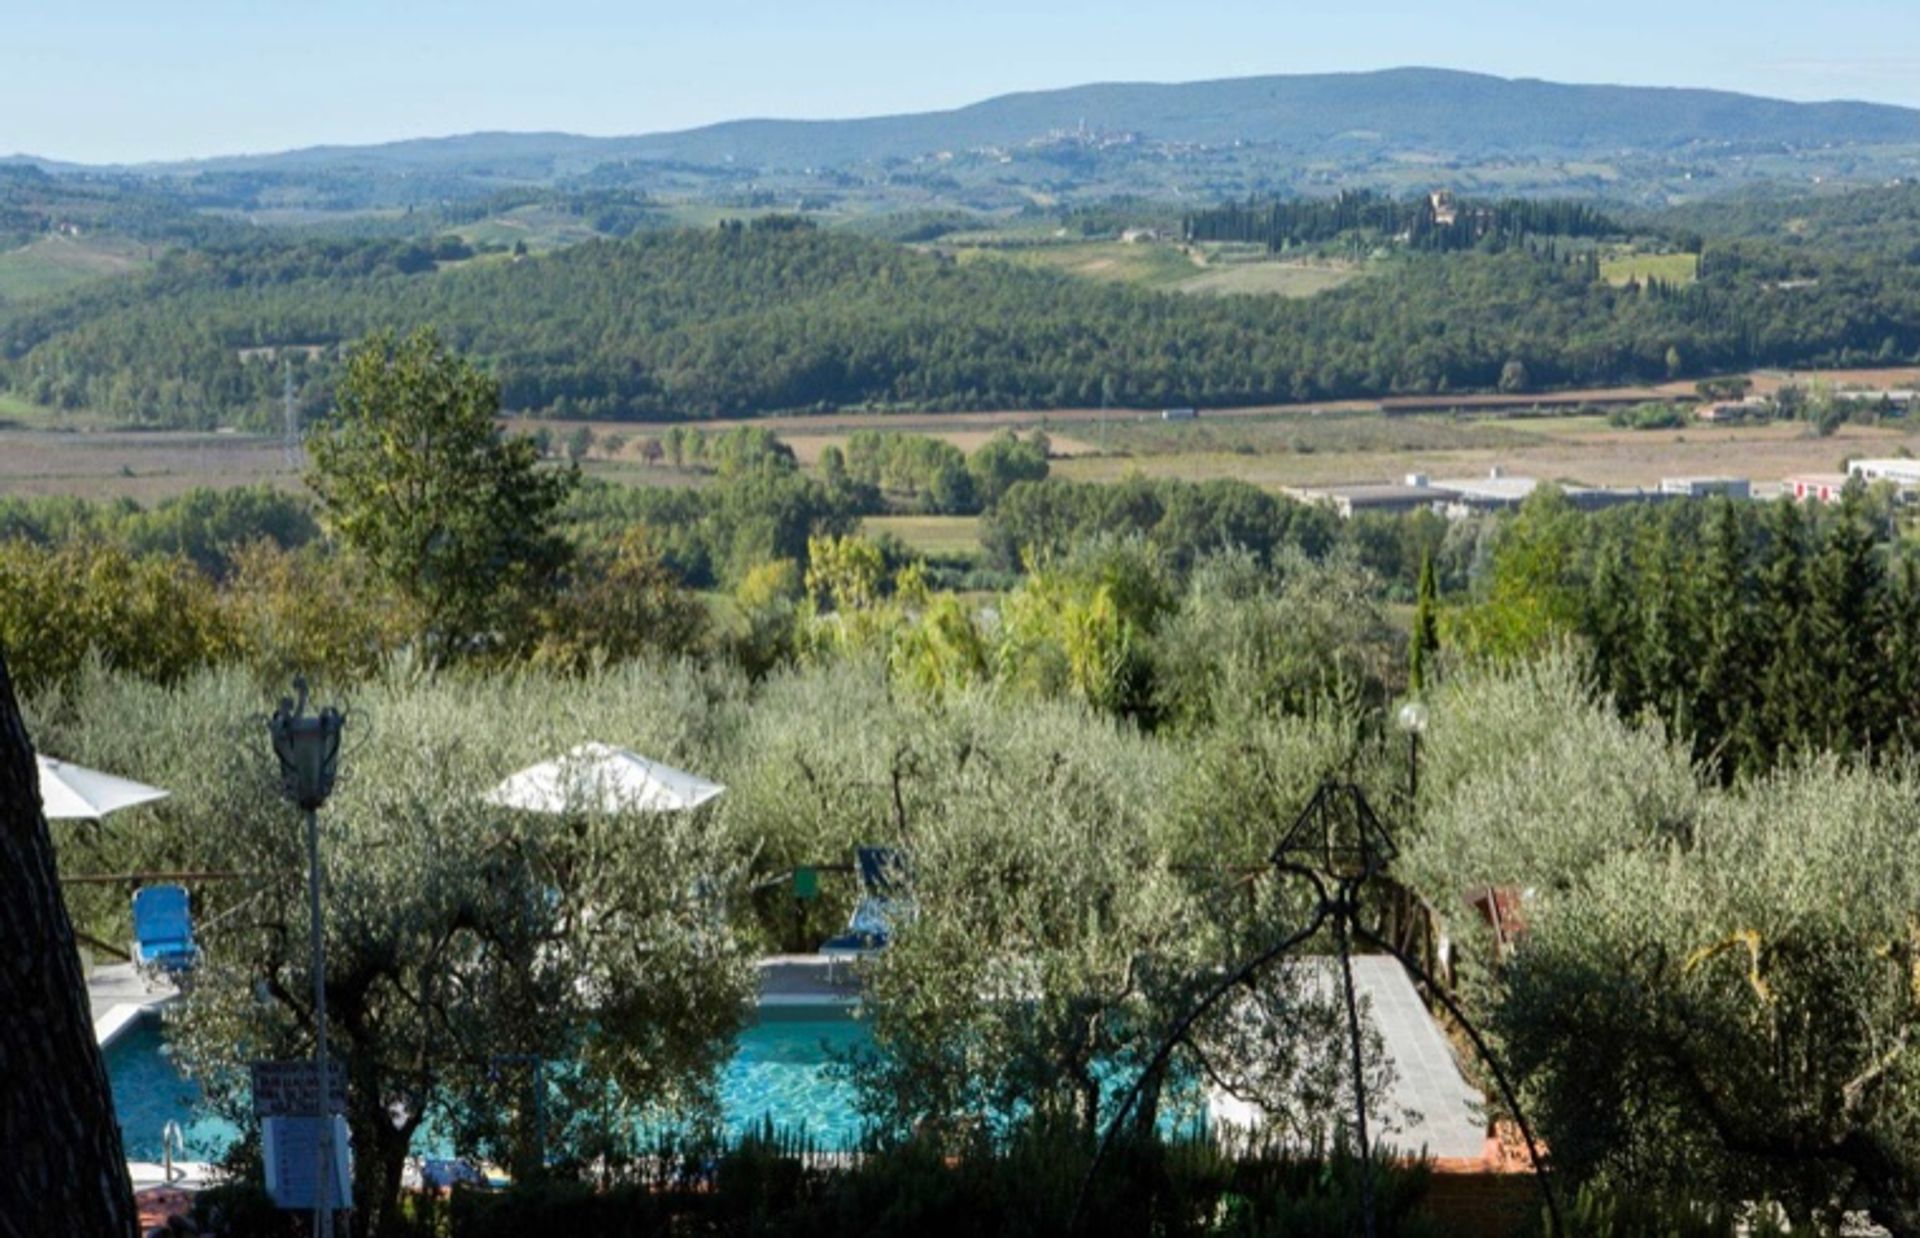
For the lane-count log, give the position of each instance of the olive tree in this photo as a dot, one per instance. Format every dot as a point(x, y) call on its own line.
point(1716, 989)
point(1058, 929)
point(1733, 1015)
point(458, 934)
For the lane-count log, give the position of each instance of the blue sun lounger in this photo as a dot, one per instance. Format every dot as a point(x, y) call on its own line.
point(883, 904)
point(163, 942)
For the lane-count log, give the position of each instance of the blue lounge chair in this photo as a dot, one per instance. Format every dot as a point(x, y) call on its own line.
point(163, 942)
point(883, 904)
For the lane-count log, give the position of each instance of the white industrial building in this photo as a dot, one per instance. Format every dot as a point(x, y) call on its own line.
point(1903, 473)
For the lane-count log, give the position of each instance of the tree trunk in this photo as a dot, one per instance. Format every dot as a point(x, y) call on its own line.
point(62, 1168)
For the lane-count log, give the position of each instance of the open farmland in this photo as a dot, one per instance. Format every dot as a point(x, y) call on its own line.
point(1286, 279)
point(1622, 267)
point(940, 537)
point(55, 263)
point(1212, 269)
point(76, 453)
point(142, 465)
point(1583, 449)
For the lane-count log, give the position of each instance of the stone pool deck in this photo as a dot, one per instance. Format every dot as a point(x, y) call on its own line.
point(807, 980)
point(119, 996)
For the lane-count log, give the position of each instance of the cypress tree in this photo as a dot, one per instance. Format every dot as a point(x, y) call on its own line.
point(1722, 614)
point(1611, 622)
point(1900, 626)
point(1664, 647)
point(1843, 589)
point(1426, 629)
point(1780, 640)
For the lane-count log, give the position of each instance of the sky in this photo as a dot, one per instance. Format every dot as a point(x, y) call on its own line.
point(132, 80)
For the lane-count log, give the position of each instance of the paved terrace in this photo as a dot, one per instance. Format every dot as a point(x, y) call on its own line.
point(1431, 1106)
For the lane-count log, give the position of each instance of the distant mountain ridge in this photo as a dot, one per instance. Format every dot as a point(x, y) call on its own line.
point(1446, 112)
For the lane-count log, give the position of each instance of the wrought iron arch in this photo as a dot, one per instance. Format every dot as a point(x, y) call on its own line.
point(1339, 831)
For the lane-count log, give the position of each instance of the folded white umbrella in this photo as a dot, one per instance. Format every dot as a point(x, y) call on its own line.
point(602, 778)
point(72, 792)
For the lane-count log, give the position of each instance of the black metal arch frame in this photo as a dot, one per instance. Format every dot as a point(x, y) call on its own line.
point(1338, 908)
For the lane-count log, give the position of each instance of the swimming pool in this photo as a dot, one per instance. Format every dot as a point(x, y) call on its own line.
point(779, 1070)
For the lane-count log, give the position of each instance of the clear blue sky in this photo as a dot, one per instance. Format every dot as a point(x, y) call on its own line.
point(124, 80)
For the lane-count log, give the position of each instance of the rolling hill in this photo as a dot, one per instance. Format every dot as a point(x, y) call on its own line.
point(1438, 111)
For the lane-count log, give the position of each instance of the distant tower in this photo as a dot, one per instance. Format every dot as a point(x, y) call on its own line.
point(292, 414)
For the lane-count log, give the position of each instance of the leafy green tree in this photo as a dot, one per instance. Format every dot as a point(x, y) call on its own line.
point(620, 602)
point(844, 573)
point(579, 443)
point(1729, 1018)
point(1533, 597)
point(1002, 461)
point(413, 472)
point(156, 616)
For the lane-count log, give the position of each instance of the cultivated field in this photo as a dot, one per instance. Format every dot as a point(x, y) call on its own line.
point(1341, 441)
point(1623, 267)
point(1216, 269)
point(143, 465)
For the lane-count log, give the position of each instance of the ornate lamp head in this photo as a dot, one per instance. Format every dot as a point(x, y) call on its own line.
point(308, 746)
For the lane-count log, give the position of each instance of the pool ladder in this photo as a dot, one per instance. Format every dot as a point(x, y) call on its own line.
point(171, 1136)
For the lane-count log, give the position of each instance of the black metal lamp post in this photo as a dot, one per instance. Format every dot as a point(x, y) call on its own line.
point(308, 746)
point(1413, 720)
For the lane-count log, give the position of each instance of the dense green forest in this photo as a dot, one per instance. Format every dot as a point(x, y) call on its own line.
point(748, 319)
point(1882, 221)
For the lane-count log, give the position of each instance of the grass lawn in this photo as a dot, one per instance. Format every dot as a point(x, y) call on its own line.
point(1621, 267)
point(937, 537)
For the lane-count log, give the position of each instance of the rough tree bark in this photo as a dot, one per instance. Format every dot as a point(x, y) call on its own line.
point(62, 1169)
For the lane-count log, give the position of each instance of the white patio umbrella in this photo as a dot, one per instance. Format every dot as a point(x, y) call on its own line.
point(72, 792)
point(602, 778)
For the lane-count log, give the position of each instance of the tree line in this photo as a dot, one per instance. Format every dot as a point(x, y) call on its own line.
point(1421, 222)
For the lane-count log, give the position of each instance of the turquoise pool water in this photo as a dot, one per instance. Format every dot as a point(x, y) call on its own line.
point(779, 1070)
